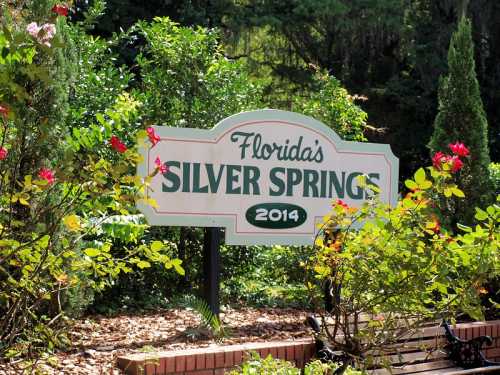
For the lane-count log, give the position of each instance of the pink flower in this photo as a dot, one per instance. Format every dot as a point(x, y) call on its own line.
point(61, 10)
point(153, 137)
point(3, 153)
point(47, 175)
point(453, 161)
point(162, 168)
point(456, 163)
point(48, 32)
point(340, 202)
point(43, 34)
point(33, 29)
point(4, 111)
point(459, 149)
point(117, 145)
point(438, 159)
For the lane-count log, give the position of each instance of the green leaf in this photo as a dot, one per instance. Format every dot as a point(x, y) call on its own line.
point(464, 228)
point(420, 176)
point(480, 214)
point(100, 118)
point(410, 184)
point(92, 252)
point(143, 264)
point(178, 268)
point(425, 185)
point(156, 246)
point(44, 241)
point(464, 255)
point(457, 192)
point(7, 33)
point(408, 203)
point(442, 288)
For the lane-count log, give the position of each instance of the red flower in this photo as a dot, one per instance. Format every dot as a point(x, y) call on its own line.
point(3, 153)
point(456, 163)
point(4, 111)
point(161, 167)
point(459, 149)
point(438, 159)
point(47, 175)
point(340, 202)
point(117, 145)
point(61, 10)
point(153, 137)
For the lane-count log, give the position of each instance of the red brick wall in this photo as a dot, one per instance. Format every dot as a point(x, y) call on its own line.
point(491, 328)
point(213, 360)
point(216, 360)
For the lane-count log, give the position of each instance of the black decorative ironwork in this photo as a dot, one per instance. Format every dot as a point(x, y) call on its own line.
point(467, 353)
point(324, 352)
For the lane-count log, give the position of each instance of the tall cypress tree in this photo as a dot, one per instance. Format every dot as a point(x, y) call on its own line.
point(461, 117)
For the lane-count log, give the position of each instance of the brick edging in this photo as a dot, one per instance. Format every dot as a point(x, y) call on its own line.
point(213, 360)
point(216, 360)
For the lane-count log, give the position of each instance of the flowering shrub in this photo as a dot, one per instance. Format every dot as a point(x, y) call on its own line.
point(402, 268)
point(43, 34)
point(441, 161)
point(61, 10)
point(59, 190)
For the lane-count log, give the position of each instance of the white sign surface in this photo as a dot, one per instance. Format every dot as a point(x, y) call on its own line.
point(266, 176)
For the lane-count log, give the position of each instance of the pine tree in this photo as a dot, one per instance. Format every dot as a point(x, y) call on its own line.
point(461, 117)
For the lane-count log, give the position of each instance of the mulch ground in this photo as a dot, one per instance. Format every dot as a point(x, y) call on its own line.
point(97, 341)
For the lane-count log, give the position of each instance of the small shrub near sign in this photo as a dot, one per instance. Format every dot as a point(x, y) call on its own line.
point(270, 366)
point(402, 268)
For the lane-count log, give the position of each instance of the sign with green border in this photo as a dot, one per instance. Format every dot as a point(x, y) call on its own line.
point(267, 177)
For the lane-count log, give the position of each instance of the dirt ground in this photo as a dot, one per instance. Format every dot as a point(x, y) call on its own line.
point(97, 340)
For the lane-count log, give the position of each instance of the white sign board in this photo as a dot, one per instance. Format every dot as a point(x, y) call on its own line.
point(266, 176)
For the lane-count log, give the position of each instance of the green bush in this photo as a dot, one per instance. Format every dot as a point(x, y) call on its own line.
point(403, 267)
point(59, 185)
point(327, 101)
point(256, 365)
point(99, 81)
point(265, 276)
point(461, 118)
point(185, 79)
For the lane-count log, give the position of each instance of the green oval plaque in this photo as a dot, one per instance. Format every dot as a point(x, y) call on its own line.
point(276, 215)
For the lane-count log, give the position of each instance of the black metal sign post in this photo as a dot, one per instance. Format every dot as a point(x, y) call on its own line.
point(211, 268)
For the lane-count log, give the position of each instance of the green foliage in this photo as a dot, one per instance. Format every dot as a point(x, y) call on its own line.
point(186, 80)
point(266, 366)
point(330, 103)
point(60, 190)
point(401, 268)
point(494, 169)
point(255, 365)
point(461, 118)
point(208, 319)
point(300, 88)
point(90, 14)
point(99, 80)
point(390, 51)
point(326, 33)
point(122, 14)
point(264, 276)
